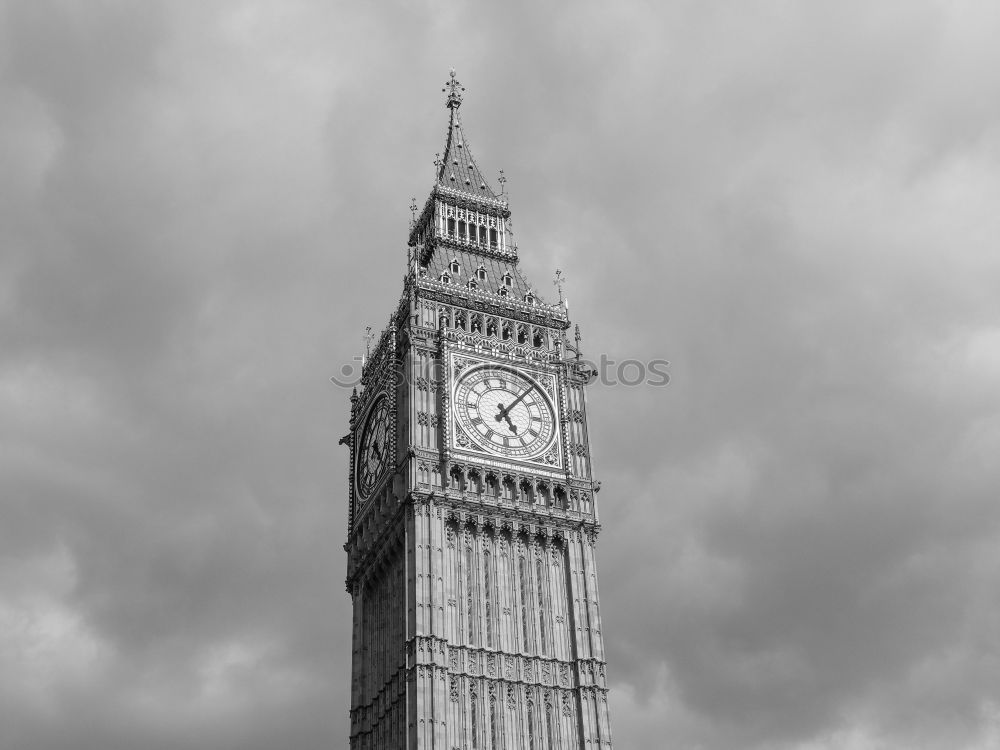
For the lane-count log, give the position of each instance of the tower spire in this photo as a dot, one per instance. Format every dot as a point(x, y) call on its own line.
point(458, 170)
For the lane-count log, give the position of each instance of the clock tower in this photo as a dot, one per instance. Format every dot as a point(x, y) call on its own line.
point(472, 524)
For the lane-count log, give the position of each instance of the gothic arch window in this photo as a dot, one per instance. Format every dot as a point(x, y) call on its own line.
point(493, 237)
point(508, 488)
point(481, 273)
point(502, 291)
point(451, 227)
point(560, 498)
point(537, 339)
point(494, 724)
point(529, 298)
point(445, 277)
point(540, 582)
point(549, 725)
point(491, 326)
point(477, 323)
point(506, 334)
point(507, 279)
point(470, 587)
point(482, 235)
point(522, 575)
point(488, 597)
point(492, 484)
point(475, 481)
point(461, 230)
point(472, 720)
point(460, 320)
point(473, 284)
point(527, 494)
point(458, 478)
point(544, 496)
point(522, 334)
point(454, 267)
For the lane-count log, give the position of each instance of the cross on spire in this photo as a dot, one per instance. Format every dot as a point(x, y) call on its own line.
point(454, 90)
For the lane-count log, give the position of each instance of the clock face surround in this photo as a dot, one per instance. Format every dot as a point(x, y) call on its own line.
point(373, 448)
point(505, 412)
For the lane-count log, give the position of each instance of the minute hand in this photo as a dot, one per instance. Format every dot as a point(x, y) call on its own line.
point(504, 412)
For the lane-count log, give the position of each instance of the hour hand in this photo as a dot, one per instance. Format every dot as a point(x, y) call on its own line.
point(504, 415)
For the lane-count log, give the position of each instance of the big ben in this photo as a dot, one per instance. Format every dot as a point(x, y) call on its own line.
point(473, 524)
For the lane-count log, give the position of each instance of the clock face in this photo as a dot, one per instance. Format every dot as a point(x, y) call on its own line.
point(504, 411)
point(373, 450)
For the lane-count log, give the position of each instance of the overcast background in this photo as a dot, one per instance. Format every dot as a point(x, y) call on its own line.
point(203, 204)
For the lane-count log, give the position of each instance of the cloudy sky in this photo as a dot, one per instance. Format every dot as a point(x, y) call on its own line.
point(203, 204)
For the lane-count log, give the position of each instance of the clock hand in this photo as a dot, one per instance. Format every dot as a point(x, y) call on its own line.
point(516, 401)
point(502, 414)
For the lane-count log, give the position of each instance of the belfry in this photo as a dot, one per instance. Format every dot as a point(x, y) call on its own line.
point(472, 524)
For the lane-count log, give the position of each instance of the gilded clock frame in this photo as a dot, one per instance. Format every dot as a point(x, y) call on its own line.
point(550, 457)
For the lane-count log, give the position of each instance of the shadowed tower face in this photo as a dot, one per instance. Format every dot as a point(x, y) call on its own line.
point(472, 527)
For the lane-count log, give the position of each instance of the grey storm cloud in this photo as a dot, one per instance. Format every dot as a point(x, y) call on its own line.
point(203, 205)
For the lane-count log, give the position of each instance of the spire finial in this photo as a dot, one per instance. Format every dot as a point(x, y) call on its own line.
point(503, 181)
point(368, 341)
point(413, 211)
point(454, 90)
point(559, 280)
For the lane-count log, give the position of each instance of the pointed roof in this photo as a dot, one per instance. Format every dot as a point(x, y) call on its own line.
point(458, 170)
